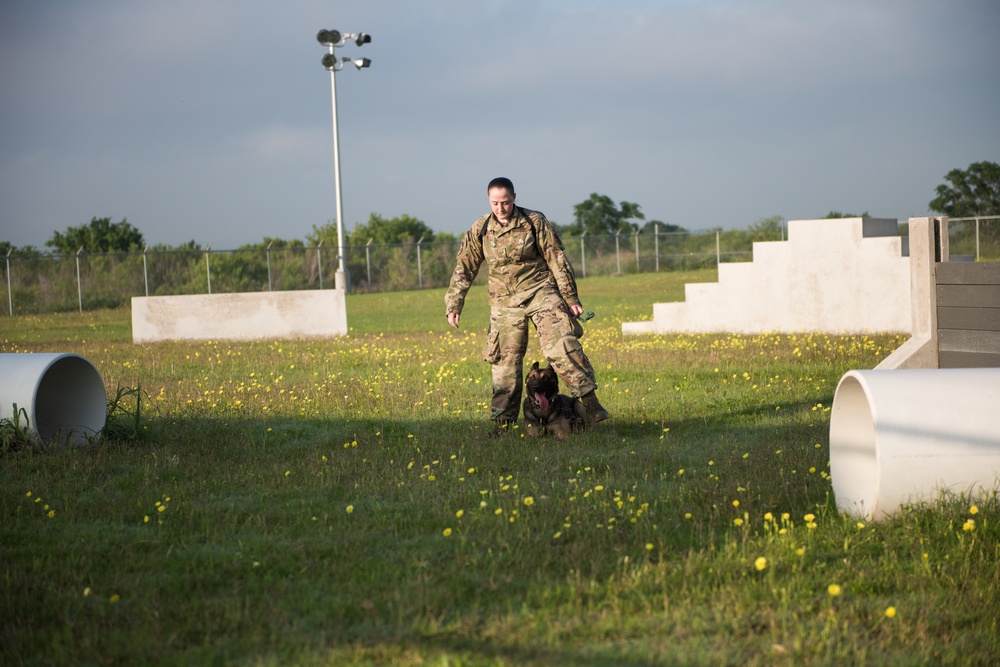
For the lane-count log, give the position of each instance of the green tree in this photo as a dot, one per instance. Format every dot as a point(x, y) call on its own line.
point(26, 251)
point(379, 230)
point(832, 215)
point(972, 192)
point(599, 215)
point(101, 235)
point(769, 229)
point(175, 269)
point(652, 226)
point(246, 269)
point(275, 244)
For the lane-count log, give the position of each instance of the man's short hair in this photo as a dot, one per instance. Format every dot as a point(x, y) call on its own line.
point(501, 182)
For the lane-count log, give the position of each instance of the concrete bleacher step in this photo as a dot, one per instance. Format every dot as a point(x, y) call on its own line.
point(836, 275)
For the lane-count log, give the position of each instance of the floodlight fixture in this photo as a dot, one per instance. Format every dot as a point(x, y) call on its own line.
point(329, 37)
point(333, 39)
point(334, 64)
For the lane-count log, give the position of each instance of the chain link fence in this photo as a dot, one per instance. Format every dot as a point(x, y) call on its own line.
point(85, 281)
point(976, 238)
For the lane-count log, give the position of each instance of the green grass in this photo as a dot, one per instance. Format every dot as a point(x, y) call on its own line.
point(339, 502)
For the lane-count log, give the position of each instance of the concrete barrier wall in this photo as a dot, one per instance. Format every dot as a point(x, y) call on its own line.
point(243, 316)
point(927, 245)
point(845, 275)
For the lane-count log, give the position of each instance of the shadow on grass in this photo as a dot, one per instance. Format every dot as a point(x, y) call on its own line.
point(333, 531)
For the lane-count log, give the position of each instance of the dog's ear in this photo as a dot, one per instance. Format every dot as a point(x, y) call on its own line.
point(534, 366)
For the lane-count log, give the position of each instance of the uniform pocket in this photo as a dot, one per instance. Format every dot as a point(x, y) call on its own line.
point(491, 352)
point(529, 249)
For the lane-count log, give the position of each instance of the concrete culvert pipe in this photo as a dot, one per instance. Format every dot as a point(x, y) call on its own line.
point(62, 395)
point(901, 436)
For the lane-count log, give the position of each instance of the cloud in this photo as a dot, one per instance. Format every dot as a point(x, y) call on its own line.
point(211, 118)
point(283, 144)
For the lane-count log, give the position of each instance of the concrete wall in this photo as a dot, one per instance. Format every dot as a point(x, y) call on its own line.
point(244, 316)
point(845, 275)
point(928, 245)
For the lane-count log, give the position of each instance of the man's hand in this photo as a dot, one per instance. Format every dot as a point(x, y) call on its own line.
point(577, 311)
point(453, 319)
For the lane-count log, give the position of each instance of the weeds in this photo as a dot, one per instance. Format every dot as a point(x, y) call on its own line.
point(124, 420)
point(15, 431)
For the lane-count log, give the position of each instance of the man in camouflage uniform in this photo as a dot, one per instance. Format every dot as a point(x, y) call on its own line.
point(529, 278)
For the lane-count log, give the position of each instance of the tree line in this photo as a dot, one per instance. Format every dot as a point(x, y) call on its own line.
point(974, 191)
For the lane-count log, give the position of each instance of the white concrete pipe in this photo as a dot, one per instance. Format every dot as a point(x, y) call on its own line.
point(62, 395)
point(901, 436)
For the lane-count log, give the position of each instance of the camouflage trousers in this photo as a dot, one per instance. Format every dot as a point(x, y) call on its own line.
point(507, 342)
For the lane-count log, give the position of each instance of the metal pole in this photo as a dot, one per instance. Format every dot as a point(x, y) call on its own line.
point(420, 268)
point(618, 254)
point(656, 245)
point(208, 268)
point(10, 294)
point(340, 281)
point(267, 251)
point(977, 238)
point(145, 270)
point(637, 268)
point(79, 286)
point(319, 259)
point(583, 255)
point(368, 262)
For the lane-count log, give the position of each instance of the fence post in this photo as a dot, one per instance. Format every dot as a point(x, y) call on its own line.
point(208, 268)
point(10, 294)
point(718, 254)
point(638, 267)
point(656, 245)
point(368, 262)
point(319, 259)
point(267, 251)
point(79, 286)
point(420, 268)
point(145, 270)
point(618, 253)
point(583, 254)
point(977, 238)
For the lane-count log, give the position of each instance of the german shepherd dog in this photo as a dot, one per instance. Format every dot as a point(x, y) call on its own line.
point(548, 411)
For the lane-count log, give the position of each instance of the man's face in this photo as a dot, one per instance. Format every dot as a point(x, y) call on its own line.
point(502, 203)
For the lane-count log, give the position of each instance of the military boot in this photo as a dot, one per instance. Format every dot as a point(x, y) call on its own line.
point(502, 427)
point(595, 412)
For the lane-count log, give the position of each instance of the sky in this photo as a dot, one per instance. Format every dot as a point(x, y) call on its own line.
point(211, 120)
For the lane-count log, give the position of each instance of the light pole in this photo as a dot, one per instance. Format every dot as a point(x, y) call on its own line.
point(332, 39)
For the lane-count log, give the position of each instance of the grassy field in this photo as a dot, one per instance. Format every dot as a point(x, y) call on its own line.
point(339, 502)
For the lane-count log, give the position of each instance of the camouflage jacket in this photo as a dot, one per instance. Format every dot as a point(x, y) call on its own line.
point(523, 258)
